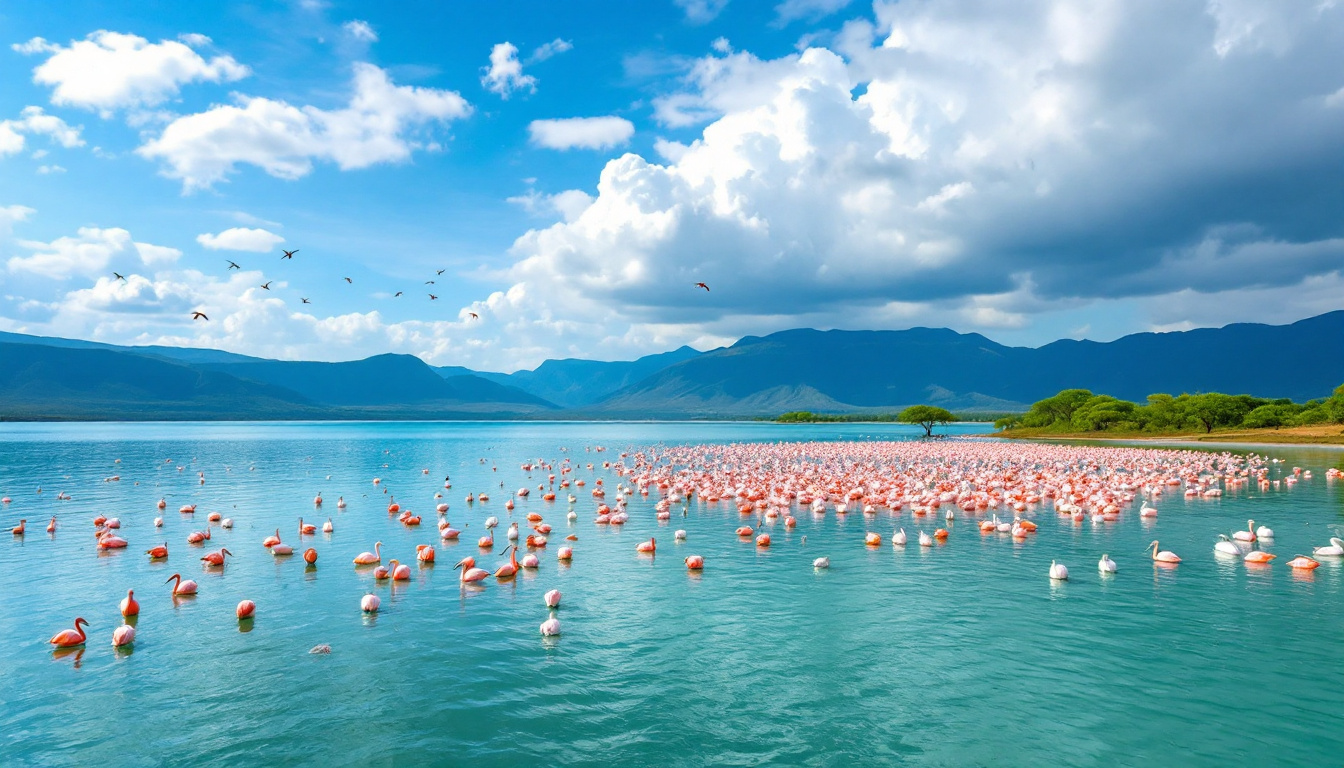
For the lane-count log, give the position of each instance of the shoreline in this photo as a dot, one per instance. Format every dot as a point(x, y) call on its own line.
point(1312, 436)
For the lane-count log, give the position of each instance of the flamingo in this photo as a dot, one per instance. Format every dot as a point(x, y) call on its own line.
point(679, 536)
point(369, 603)
point(400, 571)
point(564, 554)
point(369, 558)
point(1106, 564)
point(340, 503)
point(158, 553)
point(509, 569)
point(822, 562)
point(216, 558)
point(1334, 549)
point(280, 550)
point(306, 529)
point(1164, 556)
point(18, 529)
point(1058, 572)
point(898, 538)
point(1303, 563)
point(384, 571)
point(1264, 532)
point(123, 636)
point(873, 539)
point(129, 605)
point(925, 540)
point(469, 572)
point(51, 527)
point(69, 638)
point(550, 627)
point(424, 553)
point(182, 587)
point(1247, 535)
point(1259, 556)
point(1226, 546)
point(552, 598)
point(531, 561)
point(271, 541)
point(246, 609)
point(327, 527)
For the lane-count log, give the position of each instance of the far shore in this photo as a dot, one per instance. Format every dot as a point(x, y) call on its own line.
point(1313, 434)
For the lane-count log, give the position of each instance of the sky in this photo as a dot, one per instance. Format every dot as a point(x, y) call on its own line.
point(566, 172)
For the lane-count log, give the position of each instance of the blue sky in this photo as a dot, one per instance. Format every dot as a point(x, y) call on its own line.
point(1067, 168)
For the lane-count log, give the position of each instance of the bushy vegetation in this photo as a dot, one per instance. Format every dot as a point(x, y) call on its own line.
point(808, 417)
point(1079, 410)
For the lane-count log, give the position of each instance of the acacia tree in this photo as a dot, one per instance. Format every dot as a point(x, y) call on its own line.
point(926, 416)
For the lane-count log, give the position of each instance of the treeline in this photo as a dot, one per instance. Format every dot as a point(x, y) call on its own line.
point(808, 417)
point(1079, 410)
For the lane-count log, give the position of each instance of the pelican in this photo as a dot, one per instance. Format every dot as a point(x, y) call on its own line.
point(1226, 546)
point(1334, 549)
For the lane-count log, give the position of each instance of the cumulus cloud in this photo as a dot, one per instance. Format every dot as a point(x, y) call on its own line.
point(112, 70)
point(505, 75)
point(255, 240)
point(581, 132)
point(89, 252)
point(34, 121)
point(376, 126)
point(360, 30)
point(811, 10)
point(569, 204)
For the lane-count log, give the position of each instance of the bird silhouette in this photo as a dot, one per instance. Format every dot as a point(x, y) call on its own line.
point(440, 272)
point(118, 276)
point(702, 285)
point(429, 282)
point(199, 316)
point(305, 301)
point(395, 295)
point(348, 280)
point(289, 254)
point(232, 265)
point(266, 286)
point(432, 297)
point(474, 316)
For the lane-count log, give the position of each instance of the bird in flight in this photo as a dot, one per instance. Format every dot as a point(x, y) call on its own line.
point(702, 285)
point(429, 282)
point(348, 280)
point(233, 265)
point(474, 316)
point(440, 272)
point(289, 254)
point(266, 286)
point(395, 295)
point(119, 276)
point(305, 301)
point(199, 316)
point(432, 297)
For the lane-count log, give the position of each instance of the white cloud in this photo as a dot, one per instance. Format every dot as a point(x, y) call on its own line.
point(569, 204)
point(581, 132)
point(241, 239)
point(284, 140)
point(505, 73)
point(111, 70)
point(548, 50)
point(360, 30)
point(811, 10)
point(11, 215)
point(50, 169)
point(701, 11)
point(91, 251)
point(36, 122)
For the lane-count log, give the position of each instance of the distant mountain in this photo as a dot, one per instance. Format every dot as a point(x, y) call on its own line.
point(573, 383)
point(72, 380)
point(838, 371)
point(183, 354)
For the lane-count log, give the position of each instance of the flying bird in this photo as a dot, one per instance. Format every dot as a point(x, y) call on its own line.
point(119, 276)
point(702, 285)
point(348, 280)
point(474, 316)
point(289, 254)
point(233, 265)
point(266, 286)
point(305, 301)
point(395, 295)
point(429, 282)
point(199, 316)
point(440, 272)
point(432, 297)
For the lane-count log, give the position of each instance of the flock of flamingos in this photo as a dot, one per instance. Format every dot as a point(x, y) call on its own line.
point(999, 487)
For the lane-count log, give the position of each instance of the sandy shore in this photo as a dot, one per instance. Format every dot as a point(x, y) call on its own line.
point(1312, 435)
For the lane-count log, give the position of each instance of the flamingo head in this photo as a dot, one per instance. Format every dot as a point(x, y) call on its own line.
point(225, 551)
point(80, 621)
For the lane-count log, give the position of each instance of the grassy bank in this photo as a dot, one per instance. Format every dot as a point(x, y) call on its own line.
point(1310, 434)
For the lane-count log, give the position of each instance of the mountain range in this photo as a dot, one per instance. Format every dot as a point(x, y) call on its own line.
point(822, 371)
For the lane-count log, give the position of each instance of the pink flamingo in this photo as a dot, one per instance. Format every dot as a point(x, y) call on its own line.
point(69, 638)
point(183, 586)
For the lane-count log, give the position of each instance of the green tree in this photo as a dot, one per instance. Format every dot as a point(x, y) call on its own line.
point(1214, 409)
point(1334, 406)
point(1056, 410)
point(1102, 412)
point(926, 416)
point(1271, 415)
point(1163, 412)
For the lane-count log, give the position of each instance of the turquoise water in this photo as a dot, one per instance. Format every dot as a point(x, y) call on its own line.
point(963, 655)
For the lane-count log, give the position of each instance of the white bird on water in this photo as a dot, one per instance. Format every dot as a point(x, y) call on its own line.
point(822, 562)
point(1058, 572)
point(1106, 564)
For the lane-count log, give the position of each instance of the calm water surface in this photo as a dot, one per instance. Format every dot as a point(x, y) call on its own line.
point(961, 655)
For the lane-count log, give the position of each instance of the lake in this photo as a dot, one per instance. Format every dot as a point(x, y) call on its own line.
point(964, 656)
